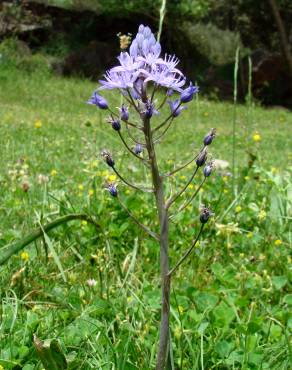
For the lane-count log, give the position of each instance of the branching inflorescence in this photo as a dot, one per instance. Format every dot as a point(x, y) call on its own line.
point(141, 73)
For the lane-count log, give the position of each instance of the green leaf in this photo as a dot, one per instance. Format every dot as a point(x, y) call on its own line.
point(55, 256)
point(253, 327)
point(223, 314)
point(223, 348)
point(202, 327)
point(279, 281)
point(288, 299)
point(51, 354)
point(205, 301)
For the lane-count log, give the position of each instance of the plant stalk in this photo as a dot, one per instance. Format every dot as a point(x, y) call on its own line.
point(164, 258)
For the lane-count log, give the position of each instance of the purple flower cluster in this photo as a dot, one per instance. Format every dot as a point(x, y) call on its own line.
point(143, 64)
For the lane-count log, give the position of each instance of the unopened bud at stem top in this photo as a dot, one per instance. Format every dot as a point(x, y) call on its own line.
point(124, 113)
point(209, 137)
point(98, 100)
point(113, 190)
point(205, 215)
point(202, 157)
point(108, 158)
point(188, 94)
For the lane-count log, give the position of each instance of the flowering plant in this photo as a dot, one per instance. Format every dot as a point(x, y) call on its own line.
point(140, 74)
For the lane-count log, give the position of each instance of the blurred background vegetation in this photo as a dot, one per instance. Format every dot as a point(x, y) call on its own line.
point(78, 37)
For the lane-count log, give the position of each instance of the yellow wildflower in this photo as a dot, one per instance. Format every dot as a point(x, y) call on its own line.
point(257, 137)
point(38, 123)
point(241, 255)
point(180, 309)
point(84, 222)
point(182, 177)
point(54, 173)
point(112, 178)
point(262, 215)
point(246, 178)
point(238, 209)
point(249, 235)
point(80, 187)
point(225, 178)
point(274, 170)
point(225, 191)
point(24, 256)
point(127, 191)
point(191, 186)
point(90, 192)
point(278, 242)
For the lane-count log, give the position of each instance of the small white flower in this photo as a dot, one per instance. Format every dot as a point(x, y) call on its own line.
point(91, 282)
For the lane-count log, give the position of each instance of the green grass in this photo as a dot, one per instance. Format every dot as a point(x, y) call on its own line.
point(231, 301)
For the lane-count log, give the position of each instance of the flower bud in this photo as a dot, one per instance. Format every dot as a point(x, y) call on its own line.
point(138, 149)
point(205, 215)
point(124, 113)
point(209, 137)
point(175, 107)
point(188, 94)
point(202, 157)
point(208, 170)
point(116, 125)
point(108, 158)
point(113, 190)
point(149, 109)
point(98, 100)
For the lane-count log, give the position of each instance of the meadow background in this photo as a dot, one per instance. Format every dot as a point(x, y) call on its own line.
point(95, 287)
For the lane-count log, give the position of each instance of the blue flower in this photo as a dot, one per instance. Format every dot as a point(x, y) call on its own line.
point(141, 65)
point(175, 107)
point(124, 113)
point(188, 94)
point(98, 100)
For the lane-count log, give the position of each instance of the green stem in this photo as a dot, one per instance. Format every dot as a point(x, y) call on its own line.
point(7, 251)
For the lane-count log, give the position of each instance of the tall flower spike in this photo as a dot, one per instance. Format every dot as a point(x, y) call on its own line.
point(188, 94)
point(98, 100)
